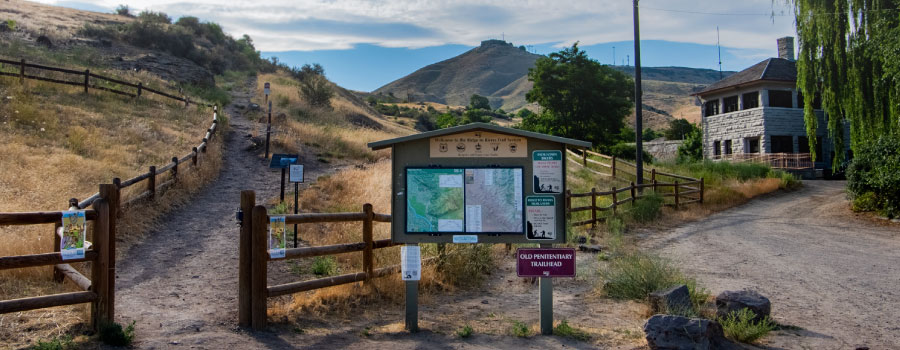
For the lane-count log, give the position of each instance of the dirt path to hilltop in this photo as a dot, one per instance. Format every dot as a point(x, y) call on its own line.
point(180, 283)
point(831, 273)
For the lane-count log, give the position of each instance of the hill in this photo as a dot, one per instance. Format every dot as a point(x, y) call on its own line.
point(498, 70)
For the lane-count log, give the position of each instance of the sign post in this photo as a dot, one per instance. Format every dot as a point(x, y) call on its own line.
point(296, 177)
point(283, 161)
point(546, 263)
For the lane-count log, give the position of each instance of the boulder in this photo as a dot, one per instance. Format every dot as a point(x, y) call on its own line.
point(675, 300)
point(668, 332)
point(732, 301)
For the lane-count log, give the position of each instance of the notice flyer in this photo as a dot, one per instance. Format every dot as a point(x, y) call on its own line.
point(547, 169)
point(410, 263)
point(71, 246)
point(277, 237)
point(540, 217)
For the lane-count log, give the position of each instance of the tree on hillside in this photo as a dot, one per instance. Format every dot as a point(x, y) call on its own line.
point(316, 90)
point(678, 129)
point(479, 102)
point(848, 54)
point(581, 98)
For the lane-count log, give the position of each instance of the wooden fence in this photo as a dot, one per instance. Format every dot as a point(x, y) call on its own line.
point(99, 289)
point(84, 79)
point(682, 189)
point(253, 291)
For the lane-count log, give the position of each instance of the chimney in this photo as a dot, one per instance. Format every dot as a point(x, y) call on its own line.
point(786, 48)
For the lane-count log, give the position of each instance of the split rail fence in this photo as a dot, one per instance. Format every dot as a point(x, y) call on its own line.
point(253, 291)
point(84, 79)
point(786, 161)
point(683, 189)
point(106, 207)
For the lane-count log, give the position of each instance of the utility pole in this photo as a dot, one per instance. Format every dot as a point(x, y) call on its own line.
point(638, 113)
point(614, 55)
point(719, 47)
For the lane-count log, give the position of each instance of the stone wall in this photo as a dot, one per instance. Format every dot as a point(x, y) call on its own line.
point(736, 126)
point(662, 150)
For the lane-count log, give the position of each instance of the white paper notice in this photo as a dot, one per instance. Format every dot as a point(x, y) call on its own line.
point(454, 181)
point(410, 263)
point(450, 225)
point(473, 218)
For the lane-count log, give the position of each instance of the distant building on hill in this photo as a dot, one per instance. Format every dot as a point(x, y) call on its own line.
point(757, 114)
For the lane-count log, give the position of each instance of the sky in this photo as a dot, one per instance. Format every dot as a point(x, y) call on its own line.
point(364, 44)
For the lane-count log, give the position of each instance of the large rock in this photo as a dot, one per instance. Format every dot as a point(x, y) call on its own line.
point(668, 332)
point(733, 301)
point(675, 300)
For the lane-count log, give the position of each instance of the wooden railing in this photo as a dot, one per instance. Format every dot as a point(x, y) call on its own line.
point(253, 291)
point(99, 289)
point(84, 79)
point(787, 161)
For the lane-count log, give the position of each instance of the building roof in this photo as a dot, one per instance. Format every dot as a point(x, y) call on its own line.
point(772, 69)
point(477, 126)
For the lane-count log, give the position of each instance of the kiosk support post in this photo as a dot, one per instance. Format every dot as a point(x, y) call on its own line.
point(296, 207)
point(412, 304)
point(546, 302)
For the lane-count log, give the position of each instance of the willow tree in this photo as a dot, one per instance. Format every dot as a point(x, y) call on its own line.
point(850, 55)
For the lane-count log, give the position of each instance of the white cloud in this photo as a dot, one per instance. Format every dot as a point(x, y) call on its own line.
point(281, 25)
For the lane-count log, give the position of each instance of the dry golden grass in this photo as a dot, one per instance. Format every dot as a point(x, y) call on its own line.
point(33, 18)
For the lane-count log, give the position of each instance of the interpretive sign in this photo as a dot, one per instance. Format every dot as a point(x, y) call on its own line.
point(410, 263)
point(71, 246)
point(296, 173)
point(459, 200)
point(545, 262)
point(283, 161)
point(547, 170)
point(478, 144)
point(277, 237)
point(540, 217)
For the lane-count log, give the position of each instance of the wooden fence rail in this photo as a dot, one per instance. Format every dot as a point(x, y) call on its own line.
point(253, 291)
point(84, 79)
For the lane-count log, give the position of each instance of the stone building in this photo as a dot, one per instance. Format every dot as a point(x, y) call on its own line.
point(759, 111)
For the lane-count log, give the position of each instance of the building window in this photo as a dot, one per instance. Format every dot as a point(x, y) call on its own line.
point(751, 100)
point(717, 150)
point(753, 145)
point(803, 146)
point(782, 144)
point(727, 146)
point(731, 104)
point(712, 107)
point(781, 98)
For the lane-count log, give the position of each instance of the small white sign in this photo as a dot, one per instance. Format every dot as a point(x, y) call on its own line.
point(296, 173)
point(266, 88)
point(410, 263)
point(465, 239)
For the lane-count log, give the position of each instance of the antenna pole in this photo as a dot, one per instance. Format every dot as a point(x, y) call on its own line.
point(719, 47)
point(614, 55)
point(638, 113)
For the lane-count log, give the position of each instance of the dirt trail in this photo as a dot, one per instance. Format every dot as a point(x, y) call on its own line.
point(825, 270)
point(180, 283)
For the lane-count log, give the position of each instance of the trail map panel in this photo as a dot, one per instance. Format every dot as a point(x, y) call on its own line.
point(434, 200)
point(494, 200)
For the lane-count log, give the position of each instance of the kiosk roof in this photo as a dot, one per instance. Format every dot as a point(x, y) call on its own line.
point(477, 126)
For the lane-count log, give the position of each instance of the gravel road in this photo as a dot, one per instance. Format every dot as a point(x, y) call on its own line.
point(830, 272)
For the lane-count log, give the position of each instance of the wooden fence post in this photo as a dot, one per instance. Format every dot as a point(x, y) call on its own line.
point(584, 157)
point(87, 79)
point(676, 194)
point(99, 268)
point(368, 258)
point(569, 205)
point(653, 175)
point(22, 72)
point(207, 144)
point(614, 195)
point(655, 189)
point(632, 193)
point(248, 201)
point(110, 193)
point(593, 207)
point(613, 166)
point(701, 190)
point(258, 275)
point(194, 156)
point(151, 183)
point(140, 88)
point(174, 169)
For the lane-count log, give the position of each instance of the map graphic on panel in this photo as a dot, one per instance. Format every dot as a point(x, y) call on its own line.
point(434, 200)
point(493, 200)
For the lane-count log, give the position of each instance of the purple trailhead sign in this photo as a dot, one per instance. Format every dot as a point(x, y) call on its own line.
point(545, 262)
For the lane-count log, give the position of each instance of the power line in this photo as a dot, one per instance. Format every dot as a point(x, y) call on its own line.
point(770, 14)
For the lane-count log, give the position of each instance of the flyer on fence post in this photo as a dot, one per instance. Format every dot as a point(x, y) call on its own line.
point(277, 237)
point(71, 246)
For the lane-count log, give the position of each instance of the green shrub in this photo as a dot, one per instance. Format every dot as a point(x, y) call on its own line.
point(636, 275)
point(210, 94)
point(740, 326)
point(324, 266)
point(865, 202)
point(715, 172)
point(316, 90)
point(647, 208)
point(112, 334)
point(60, 343)
point(465, 264)
point(874, 170)
point(563, 329)
point(520, 329)
point(788, 181)
point(11, 25)
point(691, 150)
point(465, 332)
point(627, 151)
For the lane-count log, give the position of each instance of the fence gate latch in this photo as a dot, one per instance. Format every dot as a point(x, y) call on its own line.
point(239, 215)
